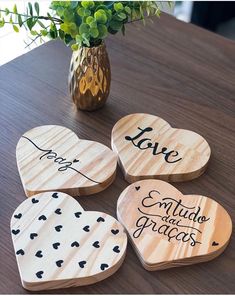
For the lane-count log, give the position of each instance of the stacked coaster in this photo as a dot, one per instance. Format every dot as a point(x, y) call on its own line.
point(58, 244)
point(148, 147)
point(169, 229)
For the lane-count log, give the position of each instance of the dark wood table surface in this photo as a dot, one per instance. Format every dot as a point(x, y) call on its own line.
point(177, 71)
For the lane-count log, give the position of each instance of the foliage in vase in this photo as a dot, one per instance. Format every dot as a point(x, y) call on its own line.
point(78, 23)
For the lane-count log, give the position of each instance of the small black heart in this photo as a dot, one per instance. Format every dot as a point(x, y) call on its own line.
point(56, 245)
point(86, 228)
point(39, 274)
point(82, 264)
point(39, 254)
point(20, 252)
point(15, 232)
point(214, 244)
point(33, 235)
point(34, 200)
point(100, 219)
point(75, 244)
point(116, 249)
point(76, 160)
point(114, 231)
point(96, 244)
point(42, 217)
point(78, 214)
point(55, 195)
point(103, 266)
point(18, 216)
point(59, 263)
point(137, 188)
point(58, 212)
point(58, 228)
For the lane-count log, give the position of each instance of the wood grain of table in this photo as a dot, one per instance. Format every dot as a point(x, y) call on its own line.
point(177, 71)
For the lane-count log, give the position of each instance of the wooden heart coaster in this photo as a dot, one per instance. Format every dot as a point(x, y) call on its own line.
point(53, 158)
point(148, 147)
point(169, 229)
point(58, 244)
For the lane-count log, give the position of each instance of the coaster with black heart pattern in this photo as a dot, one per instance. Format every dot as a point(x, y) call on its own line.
point(58, 244)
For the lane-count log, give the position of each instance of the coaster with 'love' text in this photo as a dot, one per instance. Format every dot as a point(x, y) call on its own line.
point(169, 229)
point(148, 147)
point(53, 158)
point(58, 244)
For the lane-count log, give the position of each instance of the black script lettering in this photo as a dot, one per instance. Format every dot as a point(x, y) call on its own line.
point(141, 223)
point(49, 154)
point(146, 143)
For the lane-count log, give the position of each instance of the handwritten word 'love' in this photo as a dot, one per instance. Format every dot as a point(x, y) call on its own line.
point(146, 143)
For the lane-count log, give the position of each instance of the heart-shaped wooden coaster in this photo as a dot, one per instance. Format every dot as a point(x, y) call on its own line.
point(169, 229)
point(53, 158)
point(58, 244)
point(148, 147)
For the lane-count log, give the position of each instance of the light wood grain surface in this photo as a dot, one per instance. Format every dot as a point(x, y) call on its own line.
point(58, 244)
point(178, 71)
point(51, 158)
point(169, 229)
point(148, 147)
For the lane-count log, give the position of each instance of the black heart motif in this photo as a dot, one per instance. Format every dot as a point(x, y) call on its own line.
point(56, 245)
point(96, 244)
point(18, 216)
point(214, 244)
point(58, 228)
point(42, 217)
point(100, 219)
point(33, 235)
point(86, 228)
point(55, 195)
point(39, 274)
point(75, 244)
point(76, 160)
point(82, 264)
point(34, 200)
point(39, 254)
point(116, 249)
point(15, 232)
point(114, 231)
point(137, 188)
point(20, 252)
point(78, 214)
point(59, 263)
point(58, 212)
point(103, 266)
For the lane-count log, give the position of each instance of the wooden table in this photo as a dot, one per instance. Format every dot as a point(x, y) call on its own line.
point(174, 70)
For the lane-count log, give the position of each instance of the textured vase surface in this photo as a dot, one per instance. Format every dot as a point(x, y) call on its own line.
point(89, 77)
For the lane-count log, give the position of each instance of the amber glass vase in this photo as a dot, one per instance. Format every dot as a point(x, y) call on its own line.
point(89, 77)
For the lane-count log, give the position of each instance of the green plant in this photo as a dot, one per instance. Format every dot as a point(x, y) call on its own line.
point(78, 23)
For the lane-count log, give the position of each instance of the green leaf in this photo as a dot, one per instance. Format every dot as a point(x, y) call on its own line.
point(84, 28)
point(100, 16)
point(103, 32)
point(41, 24)
point(16, 29)
point(36, 6)
point(94, 32)
point(15, 9)
point(33, 33)
point(44, 33)
point(122, 15)
point(118, 6)
point(7, 11)
point(88, 4)
point(30, 8)
point(115, 25)
point(127, 10)
point(20, 20)
point(74, 47)
point(2, 22)
point(29, 23)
